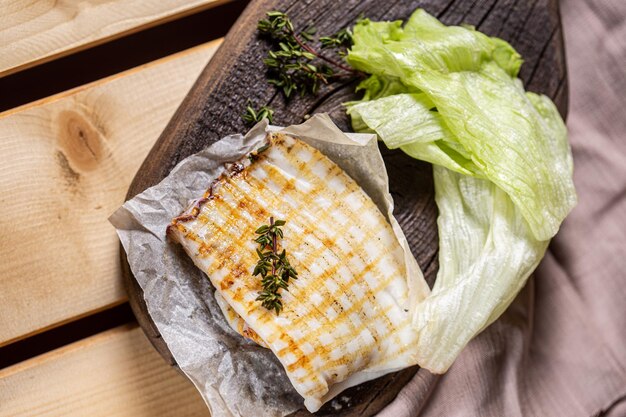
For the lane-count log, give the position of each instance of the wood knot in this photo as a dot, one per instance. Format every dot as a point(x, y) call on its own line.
point(82, 143)
point(71, 177)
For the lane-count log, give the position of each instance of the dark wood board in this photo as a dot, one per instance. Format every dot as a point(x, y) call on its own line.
point(213, 109)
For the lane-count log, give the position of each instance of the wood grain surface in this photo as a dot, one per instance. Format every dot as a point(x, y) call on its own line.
point(33, 32)
point(116, 373)
point(69, 159)
point(214, 106)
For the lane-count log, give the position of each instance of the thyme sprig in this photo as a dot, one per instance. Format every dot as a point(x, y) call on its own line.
point(341, 39)
point(254, 156)
point(273, 266)
point(294, 65)
point(252, 116)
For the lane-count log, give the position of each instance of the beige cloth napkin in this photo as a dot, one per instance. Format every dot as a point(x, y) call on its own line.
point(560, 349)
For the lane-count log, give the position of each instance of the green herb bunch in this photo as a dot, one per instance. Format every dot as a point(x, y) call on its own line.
point(294, 66)
point(273, 266)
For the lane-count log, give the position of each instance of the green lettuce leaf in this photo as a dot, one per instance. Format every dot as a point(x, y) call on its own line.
point(502, 164)
point(424, 45)
point(508, 139)
point(486, 254)
point(411, 122)
point(413, 119)
point(378, 86)
point(468, 77)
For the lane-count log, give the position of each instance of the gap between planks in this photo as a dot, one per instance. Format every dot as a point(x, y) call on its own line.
point(213, 45)
point(70, 159)
point(115, 373)
point(32, 33)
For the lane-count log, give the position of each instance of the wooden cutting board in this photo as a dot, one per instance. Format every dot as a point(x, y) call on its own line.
point(214, 106)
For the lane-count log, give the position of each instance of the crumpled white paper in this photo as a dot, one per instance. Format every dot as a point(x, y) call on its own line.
point(236, 377)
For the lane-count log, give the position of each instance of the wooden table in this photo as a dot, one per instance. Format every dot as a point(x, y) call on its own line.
point(69, 345)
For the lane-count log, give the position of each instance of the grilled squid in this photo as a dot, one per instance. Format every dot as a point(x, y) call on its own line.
point(344, 319)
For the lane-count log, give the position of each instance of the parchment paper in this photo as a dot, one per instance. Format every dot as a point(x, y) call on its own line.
point(236, 377)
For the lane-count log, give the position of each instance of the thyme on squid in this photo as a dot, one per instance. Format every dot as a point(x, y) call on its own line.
point(273, 266)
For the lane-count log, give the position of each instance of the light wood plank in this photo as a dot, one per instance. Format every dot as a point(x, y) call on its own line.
point(116, 373)
point(33, 32)
point(66, 165)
